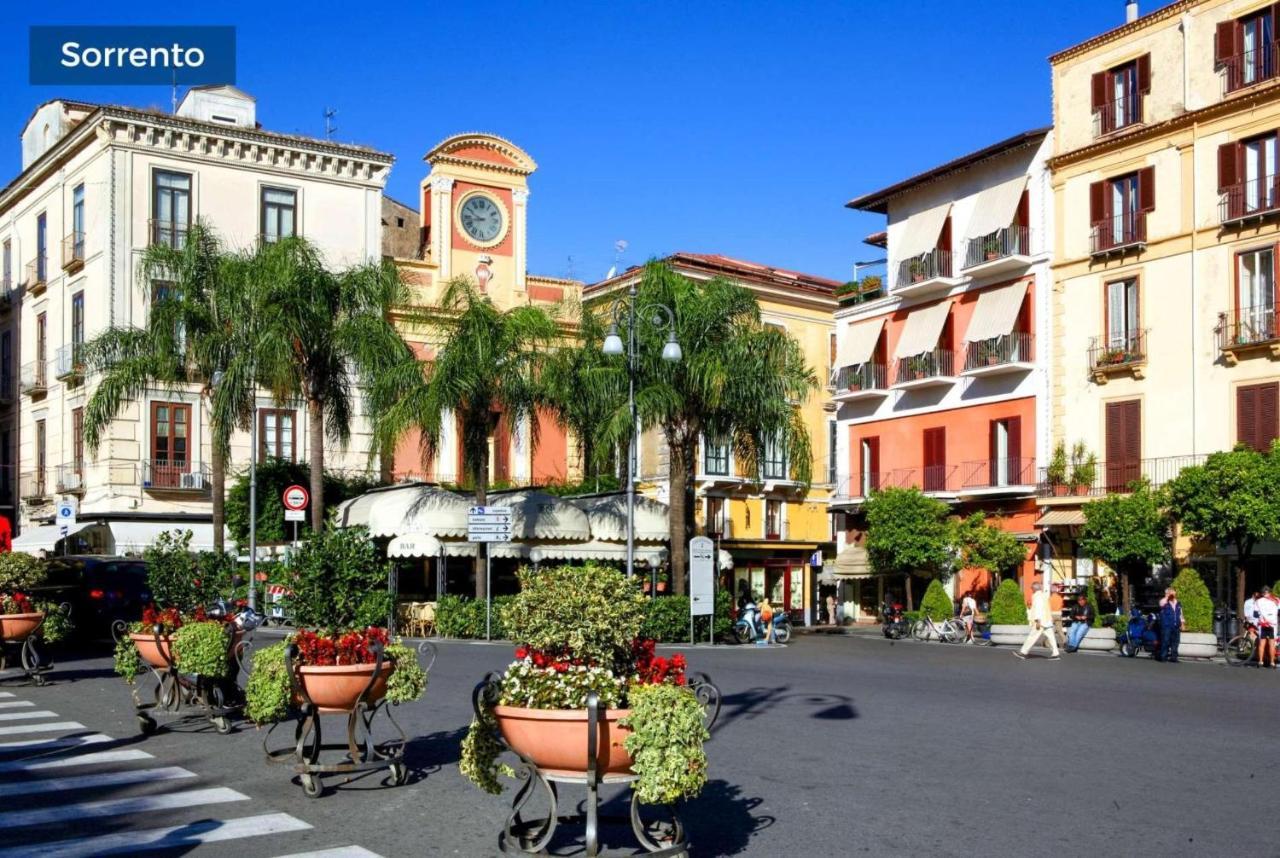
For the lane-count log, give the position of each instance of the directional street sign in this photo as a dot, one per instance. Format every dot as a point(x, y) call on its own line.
point(489, 524)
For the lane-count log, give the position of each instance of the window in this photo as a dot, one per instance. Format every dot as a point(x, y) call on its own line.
point(1117, 95)
point(77, 221)
point(1118, 209)
point(42, 248)
point(40, 457)
point(6, 468)
point(77, 324)
point(1124, 443)
point(1245, 49)
point(715, 457)
point(1247, 180)
point(276, 436)
point(869, 465)
point(774, 459)
point(935, 459)
point(831, 360)
point(170, 208)
point(716, 518)
point(8, 264)
point(832, 444)
point(1123, 319)
point(278, 213)
point(1005, 442)
point(1255, 296)
point(41, 344)
point(77, 441)
point(1257, 415)
point(170, 452)
point(6, 366)
point(773, 519)
point(400, 222)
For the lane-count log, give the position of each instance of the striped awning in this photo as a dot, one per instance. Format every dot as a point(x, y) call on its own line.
point(995, 207)
point(996, 312)
point(858, 343)
point(853, 562)
point(920, 333)
point(1061, 518)
point(920, 233)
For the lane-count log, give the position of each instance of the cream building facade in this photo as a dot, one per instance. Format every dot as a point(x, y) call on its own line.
point(98, 185)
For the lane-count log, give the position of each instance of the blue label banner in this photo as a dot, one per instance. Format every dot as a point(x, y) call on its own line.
point(110, 55)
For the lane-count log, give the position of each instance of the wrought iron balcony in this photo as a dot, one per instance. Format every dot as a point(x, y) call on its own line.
point(925, 369)
point(68, 362)
point(1116, 113)
point(73, 251)
point(1123, 353)
point(70, 478)
point(1118, 234)
point(1101, 478)
point(863, 381)
point(169, 233)
point(37, 276)
point(1256, 198)
point(990, 476)
point(34, 379)
point(1007, 353)
point(1004, 248)
point(33, 485)
point(175, 475)
point(1250, 67)
point(921, 275)
point(1248, 328)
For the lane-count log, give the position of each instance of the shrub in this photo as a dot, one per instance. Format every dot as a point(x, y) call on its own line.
point(936, 604)
point(267, 692)
point(463, 617)
point(1197, 605)
point(667, 743)
point(201, 648)
point(172, 571)
point(667, 619)
point(1007, 606)
point(339, 582)
point(127, 662)
point(408, 681)
point(592, 611)
point(20, 572)
point(1091, 594)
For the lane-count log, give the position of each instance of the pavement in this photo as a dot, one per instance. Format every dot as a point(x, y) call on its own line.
point(833, 745)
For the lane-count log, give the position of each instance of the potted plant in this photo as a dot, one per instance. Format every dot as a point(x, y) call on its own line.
point(917, 269)
point(1009, 615)
point(1198, 640)
point(25, 618)
point(991, 246)
point(869, 286)
point(1056, 472)
point(1084, 468)
point(578, 632)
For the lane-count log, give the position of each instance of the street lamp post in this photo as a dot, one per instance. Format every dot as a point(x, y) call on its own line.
point(657, 314)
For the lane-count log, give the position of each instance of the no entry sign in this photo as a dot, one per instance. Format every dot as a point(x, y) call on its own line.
point(296, 498)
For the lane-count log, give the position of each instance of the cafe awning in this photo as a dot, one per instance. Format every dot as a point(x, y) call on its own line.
point(607, 518)
point(43, 538)
point(995, 207)
point(920, 333)
point(416, 509)
point(996, 312)
point(596, 550)
point(538, 515)
point(920, 233)
point(1061, 518)
point(853, 562)
point(858, 343)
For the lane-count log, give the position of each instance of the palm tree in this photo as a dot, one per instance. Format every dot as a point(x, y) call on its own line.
point(326, 335)
point(738, 380)
point(195, 329)
point(485, 371)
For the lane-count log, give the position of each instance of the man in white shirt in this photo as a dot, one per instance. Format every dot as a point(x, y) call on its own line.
point(1268, 611)
point(1040, 618)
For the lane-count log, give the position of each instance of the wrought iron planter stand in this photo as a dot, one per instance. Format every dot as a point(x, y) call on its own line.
point(362, 753)
point(25, 654)
point(189, 698)
point(522, 836)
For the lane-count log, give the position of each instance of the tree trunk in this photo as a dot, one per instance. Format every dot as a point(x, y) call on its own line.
point(678, 533)
point(315, 432)
point(482, 498)
point(1126, 592)
point(218, 475)
point(907, 591)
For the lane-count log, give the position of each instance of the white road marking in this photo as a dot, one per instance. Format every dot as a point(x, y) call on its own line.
point(6, 693)
point(118, 807)
point(42, 728)
point(34, 713)
point(90, 759)
point(65, 742)
point(98, 779)
point(13, 704)
point(172, 837)
point(337, 852)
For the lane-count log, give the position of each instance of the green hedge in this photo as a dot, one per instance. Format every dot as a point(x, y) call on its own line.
point(1197, 605)
point(668, 619)
point(936, 604)
point(1007, 606)
point(463, 617)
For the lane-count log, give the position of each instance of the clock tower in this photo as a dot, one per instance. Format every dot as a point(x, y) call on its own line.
point(474, 201)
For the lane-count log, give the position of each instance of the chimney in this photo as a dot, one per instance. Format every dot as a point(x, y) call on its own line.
point(1130, 11)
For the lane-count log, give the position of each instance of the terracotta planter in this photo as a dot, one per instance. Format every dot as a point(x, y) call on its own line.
point(157, 655)
point(662, 586)
point(19, 627)
point(1060, 491)
point(337, 688)
point(556, 739)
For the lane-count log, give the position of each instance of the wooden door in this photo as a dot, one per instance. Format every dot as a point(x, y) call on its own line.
point(170, 443)
point(935, 459)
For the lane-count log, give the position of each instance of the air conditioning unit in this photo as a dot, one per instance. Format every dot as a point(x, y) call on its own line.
point(70, 482)
point(192, 481)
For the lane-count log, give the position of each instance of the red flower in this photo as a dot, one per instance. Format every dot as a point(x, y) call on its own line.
point(522, 652)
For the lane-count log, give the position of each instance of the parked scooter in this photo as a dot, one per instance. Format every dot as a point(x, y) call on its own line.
point(895, 626)
point(750, 628)
point(1141, 635)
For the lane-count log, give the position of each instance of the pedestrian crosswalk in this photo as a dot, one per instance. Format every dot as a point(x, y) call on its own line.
point(69, 792)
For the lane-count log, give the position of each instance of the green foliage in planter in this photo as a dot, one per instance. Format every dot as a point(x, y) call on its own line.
point(1084, 465)
point(1007, 606)
point(1056, 472)
point(57, 624)
point(480, 749)
point(463, 617)
point(408, 681)
point(201, 648)
point(667, 619)
point(666, 742)
point(267, 692)
point(592, 611)
point(339, 582)
point(172, 572)
point(936, 604)
point(20, 572)
point(127, 662)
point(1091, 594)
point(1197, 605)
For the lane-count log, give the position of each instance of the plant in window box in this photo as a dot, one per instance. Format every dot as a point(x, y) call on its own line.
point(869, 286)
point(1056, 471)
point(1084, 468)
point(917, 269)
point(991, 247)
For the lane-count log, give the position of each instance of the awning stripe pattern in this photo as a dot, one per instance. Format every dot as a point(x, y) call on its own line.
point(858, 343)
point(920, 333)
point(1061, 518)
point(995, 207)
point(921, 231)
point(996, 312)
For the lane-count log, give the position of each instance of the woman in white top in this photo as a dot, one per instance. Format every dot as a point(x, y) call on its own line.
point(968, 614)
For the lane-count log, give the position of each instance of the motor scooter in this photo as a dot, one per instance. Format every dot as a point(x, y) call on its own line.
point(749, 628)
point(1142, 634)
point(895, 626)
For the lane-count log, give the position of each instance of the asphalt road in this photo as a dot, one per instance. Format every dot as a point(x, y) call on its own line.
point(830, 746)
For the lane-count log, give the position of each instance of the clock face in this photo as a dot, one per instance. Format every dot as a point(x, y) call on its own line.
point(481, 218)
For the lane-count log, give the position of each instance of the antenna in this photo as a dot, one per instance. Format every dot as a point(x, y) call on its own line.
point(329, 127)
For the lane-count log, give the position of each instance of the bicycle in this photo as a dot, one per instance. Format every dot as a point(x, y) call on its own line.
point(1240, 649)
point(948, 631)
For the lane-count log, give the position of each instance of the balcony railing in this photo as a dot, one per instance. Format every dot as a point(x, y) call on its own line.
point(939, 363)
point(1250, 67)
point(175, 475)
point(1010, 241)
point(1247, 326)
point(37, 275)
point(73, 251)
point(34, 378)
point(999, 473)
point(863, 376)
point(1118, 233)
point(1115, 477)
point(68, 361)
point(929, 266)
point(70, 478)
point(1118, 352)
point(998, 351)
point(169, 233)
point(33, 485)
point(1254, 198)
point(1116, 113)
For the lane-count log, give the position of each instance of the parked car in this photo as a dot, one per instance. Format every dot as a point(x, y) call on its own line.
point(100, 589)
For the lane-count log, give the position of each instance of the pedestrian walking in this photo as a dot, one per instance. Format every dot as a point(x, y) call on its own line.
point(766, 617)
point(968, 614)
point(1055, 606)
point(1171, 625)
point(1040, 618)
point(1266, 610)
point(1081, 620)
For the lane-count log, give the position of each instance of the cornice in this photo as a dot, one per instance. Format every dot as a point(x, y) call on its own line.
point(522, 164)
point(1156, 17)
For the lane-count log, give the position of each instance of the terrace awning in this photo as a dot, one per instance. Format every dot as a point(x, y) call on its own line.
point(920, 233)
point(996, 312)
point(43, 538)
point(858, 343)
point(920, 333)
point(607, 518)
point(596, 550)
point(995, 207)
point(134, 537)
point(412, 509)
point(1061, 518)
point(853, 562)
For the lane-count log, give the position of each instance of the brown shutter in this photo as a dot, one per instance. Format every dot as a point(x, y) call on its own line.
point(1227, 176)
point(1097, 202)
point(1147, 189)
point(1144, 73)
point(1247, 415)
point(873, 447)
point(993, 453)
point(1023, 217)
point(1224, 41)
point(1015, 470)
point(1099, 94)
point(1124, 443)
point(1268, 415)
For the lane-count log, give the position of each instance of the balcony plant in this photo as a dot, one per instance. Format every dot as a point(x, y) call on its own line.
point(917, 268)
point(1056, 472)
point(991, 246)
point(578, 631)
point(1084, 468)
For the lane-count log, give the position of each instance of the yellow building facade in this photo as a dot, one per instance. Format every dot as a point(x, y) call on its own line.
point(776, 530)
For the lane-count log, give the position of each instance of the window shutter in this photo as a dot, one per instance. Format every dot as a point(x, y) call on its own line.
point(1015, 469)
point(1133, 433)
point(1144, 73)
point(873, 446)
point(1147, 189)
point(993, 453)
point(1227, 156)
point(1099, 93)
point(1023, 217)
point(1247, 415)
point(1224, 41)
point(1268, 415)
point(1097, 202)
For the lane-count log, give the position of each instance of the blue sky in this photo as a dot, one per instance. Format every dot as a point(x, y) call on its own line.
point(735, 128)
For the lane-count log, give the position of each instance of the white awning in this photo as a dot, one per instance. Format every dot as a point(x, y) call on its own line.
point(921, 332)
point(996, 312)
point(414, 545)
point(135, 537)
point(416, 509)
point(538, 515)
point(1061, 518)
point(921, 232)
point(858, 343)
point(355, 512)
point(607, 518)
point(995, 207)
point(595, 550)
point(853, 562)
point(44, 537)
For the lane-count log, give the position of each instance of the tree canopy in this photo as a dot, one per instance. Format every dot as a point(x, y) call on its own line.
point(908, 533)
point(1232, 499)
point(982, 545)
point(1127, 532)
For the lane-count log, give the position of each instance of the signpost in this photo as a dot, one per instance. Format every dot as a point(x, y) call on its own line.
point(702, 582)
point(295, 499)
point(66, 518)
point(487, 524)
